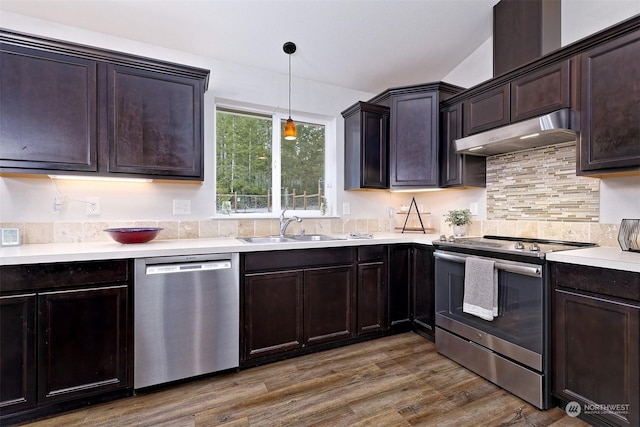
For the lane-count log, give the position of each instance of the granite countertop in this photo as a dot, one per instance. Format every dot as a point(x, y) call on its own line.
point(68, 252)
point(604, 256)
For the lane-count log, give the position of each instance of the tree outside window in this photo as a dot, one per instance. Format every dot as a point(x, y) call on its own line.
point(252, 159)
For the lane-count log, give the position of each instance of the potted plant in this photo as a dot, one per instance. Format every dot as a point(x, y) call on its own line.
point(458, 219)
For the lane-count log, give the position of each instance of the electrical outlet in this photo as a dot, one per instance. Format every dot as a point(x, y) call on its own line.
point(57, 204)
point(181, 207)
point(346, 208)
point(473, 207)
point(93, 206)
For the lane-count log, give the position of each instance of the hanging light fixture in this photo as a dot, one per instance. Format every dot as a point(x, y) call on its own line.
point(290, 126)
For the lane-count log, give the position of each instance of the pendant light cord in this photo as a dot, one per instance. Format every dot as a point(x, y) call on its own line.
point(289, 85)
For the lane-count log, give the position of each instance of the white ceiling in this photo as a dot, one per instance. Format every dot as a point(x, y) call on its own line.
point(368, 45)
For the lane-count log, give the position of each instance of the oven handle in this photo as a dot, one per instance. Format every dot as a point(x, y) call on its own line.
point(510, 266)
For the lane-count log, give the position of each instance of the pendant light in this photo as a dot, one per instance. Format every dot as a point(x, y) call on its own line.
point(290, 126)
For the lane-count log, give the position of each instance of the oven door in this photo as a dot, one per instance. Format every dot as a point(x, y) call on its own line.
point(517, 332)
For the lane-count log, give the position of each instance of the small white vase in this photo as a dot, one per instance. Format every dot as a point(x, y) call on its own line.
point(459, 230)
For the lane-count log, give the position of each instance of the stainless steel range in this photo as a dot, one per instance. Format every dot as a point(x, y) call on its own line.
point(492, 309)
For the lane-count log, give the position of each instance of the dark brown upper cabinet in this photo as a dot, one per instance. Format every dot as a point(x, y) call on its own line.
point(154, 123)
point(541, 92)
point(487, 110)
point(366, 140)
point(415, 134)
point(73, 109)
point(457, 170)
point(48, 111)
point(610, 95)
point(523, 31)
point(530, 95)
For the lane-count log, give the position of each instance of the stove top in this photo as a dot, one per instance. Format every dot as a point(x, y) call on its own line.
point(510, 245)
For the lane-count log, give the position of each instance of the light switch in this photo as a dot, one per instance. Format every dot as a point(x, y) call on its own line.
point(181, 207)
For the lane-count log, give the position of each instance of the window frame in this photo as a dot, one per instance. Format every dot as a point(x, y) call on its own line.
point(277, 116)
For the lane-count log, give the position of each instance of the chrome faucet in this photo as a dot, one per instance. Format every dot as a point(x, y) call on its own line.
point(284, 222)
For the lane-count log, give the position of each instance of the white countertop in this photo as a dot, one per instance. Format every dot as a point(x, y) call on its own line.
point(68, 252)
point(602, 256)
point(605, 257)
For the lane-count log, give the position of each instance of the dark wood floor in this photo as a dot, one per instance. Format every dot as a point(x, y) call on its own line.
point(394, 381)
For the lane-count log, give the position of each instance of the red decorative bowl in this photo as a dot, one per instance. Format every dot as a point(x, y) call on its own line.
point(133, 234)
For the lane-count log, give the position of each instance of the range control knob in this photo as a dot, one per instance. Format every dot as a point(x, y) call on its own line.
point(534, 247)
point(452, 239)
point(519, 245)
point(443, 238)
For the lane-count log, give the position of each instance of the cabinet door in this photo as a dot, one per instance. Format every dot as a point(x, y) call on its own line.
point(609, 99)
point(399, 286)
point(596, 351)
point(83, 343)
point(329, 297)
point(424, 289)
point(414, 140)
point(458, 169)
point(366, 147)
point(272, 313)
point(372, 297)
point(17, 353)
point(48, 119)
point(542, 92)
point(155, 124)
point(487, 111)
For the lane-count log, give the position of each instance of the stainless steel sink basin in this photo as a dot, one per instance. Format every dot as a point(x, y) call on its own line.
point(314, 238)
point(289, 238)
point(268, 239)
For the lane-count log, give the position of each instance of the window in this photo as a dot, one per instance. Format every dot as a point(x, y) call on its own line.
point(260, 173)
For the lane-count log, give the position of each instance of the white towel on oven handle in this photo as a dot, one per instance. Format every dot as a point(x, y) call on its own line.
point(480, 288)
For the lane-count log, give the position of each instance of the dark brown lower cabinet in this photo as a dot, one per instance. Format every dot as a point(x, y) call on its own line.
point(273, 312)
point(372, 289)
point(307, 298)
point(411, 288)
point(17, 353)
point(423, 287)
point(66, 336)
point(596, 343)
point(400, 287)
point(82, 342)
point(329, 304)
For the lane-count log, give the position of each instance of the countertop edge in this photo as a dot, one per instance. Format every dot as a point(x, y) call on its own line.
point(601, 256)
point(94, 251)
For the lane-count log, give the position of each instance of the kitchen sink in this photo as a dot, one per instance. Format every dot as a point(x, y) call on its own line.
point(268, 239)
point(290, 238)
point(314, 238)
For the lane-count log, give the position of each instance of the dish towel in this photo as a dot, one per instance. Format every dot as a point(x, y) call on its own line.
point(480, 288)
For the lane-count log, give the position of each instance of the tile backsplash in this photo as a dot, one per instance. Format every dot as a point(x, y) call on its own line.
point(541, 185)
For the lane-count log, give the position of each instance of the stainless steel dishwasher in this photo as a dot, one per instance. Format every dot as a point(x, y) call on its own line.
point(187, 315)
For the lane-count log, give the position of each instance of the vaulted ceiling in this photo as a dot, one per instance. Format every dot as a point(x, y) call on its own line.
point(367, 45)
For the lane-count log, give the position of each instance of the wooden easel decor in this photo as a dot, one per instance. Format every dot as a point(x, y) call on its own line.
point(411, 206)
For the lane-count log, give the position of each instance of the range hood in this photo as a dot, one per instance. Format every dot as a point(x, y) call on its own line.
point(552, 128)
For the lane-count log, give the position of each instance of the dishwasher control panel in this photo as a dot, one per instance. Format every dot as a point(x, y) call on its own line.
point(184, 268)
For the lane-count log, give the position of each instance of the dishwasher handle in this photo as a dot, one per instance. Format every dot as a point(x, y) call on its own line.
point(188, 267)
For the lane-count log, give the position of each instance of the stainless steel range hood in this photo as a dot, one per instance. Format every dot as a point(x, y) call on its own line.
point(552, 128)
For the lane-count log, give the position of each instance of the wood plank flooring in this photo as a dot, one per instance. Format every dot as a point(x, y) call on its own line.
point(394, 381)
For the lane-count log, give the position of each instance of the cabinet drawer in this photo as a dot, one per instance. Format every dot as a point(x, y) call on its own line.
point(615, 283)
point(269, 261)
point(56, 275)
point(371, 253)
